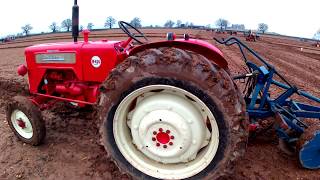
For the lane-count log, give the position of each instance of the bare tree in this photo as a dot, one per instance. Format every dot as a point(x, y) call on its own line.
point(136, 22)
point(186, 24)
point(262, 27)
point(169, 24)
point(26, 29)
point(317, 35)
point(178, 23)
point(54, 27)
point(110, 21)
point(81, 28)
point(66, 24)
point(222, 23)
point(90, 26)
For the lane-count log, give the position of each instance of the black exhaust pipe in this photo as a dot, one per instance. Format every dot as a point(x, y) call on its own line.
point(75, 21)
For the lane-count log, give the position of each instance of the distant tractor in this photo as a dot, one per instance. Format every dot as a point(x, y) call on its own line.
point(232, 32)
point(250, 36)
point(220, 31)
point(167, 109)
point(9, 38)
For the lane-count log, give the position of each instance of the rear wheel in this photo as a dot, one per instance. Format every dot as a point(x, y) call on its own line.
point(25, 120)
point(171, 114)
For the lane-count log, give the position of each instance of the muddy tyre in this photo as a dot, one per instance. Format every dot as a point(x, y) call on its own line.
point(171, 114)
point(25, 120)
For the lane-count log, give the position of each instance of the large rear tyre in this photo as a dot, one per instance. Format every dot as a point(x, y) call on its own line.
point(25, 120)
point(171, 114)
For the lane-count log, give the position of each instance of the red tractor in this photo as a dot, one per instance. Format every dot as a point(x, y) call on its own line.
point(250, 36)
point(166, 110)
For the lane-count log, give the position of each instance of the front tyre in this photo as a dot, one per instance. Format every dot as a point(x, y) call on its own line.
point(171, 114)
point(25, 120)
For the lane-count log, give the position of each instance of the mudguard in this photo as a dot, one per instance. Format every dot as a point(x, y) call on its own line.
point(201, 47)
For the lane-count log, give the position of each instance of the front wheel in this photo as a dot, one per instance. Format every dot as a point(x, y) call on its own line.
point(165, 115)
point(25, 120)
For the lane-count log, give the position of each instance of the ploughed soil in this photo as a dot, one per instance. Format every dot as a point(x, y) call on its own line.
point(71, 150)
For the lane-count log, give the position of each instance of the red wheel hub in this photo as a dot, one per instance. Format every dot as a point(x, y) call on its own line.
point(21, 123)
point(163, 138)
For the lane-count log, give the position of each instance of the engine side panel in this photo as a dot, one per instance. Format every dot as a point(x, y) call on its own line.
point(70, 70)
point(45, 57)
point(98, 61)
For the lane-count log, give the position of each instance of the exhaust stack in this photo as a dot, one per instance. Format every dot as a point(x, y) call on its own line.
point(75, 21)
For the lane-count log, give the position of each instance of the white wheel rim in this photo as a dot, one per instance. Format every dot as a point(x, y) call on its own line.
point(21, 124)
point(140, 129)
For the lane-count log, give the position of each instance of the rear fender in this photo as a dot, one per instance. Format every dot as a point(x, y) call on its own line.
point(201, 47)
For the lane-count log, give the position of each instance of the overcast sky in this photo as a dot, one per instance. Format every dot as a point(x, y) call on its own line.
point(289, 17)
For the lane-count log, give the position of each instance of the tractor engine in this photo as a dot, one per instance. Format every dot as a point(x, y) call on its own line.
point(64, 84)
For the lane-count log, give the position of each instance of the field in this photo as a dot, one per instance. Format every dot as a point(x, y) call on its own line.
point(71, 150)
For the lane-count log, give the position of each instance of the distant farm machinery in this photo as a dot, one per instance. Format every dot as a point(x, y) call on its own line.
point(251, 36)
point(7, 39)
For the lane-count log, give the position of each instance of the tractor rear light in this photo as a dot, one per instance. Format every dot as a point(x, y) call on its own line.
point(171, 36)
point(22, 70)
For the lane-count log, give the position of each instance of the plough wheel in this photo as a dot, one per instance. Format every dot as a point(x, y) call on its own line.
point(308, 147)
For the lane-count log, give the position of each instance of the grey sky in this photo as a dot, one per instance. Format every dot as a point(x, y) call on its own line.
point(289, 17)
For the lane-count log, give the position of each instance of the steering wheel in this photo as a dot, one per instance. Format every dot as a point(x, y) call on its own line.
point(124, 27)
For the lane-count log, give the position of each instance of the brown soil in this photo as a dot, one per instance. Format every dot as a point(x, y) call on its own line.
point(71, 150)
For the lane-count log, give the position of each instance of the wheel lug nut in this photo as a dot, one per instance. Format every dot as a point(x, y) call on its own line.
point(158, 144)
point(164, 146)
point(153, 139)
point(172, 137)
point(168, 131)
point(154, 132)
point(160, 129)
point(170, 143)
